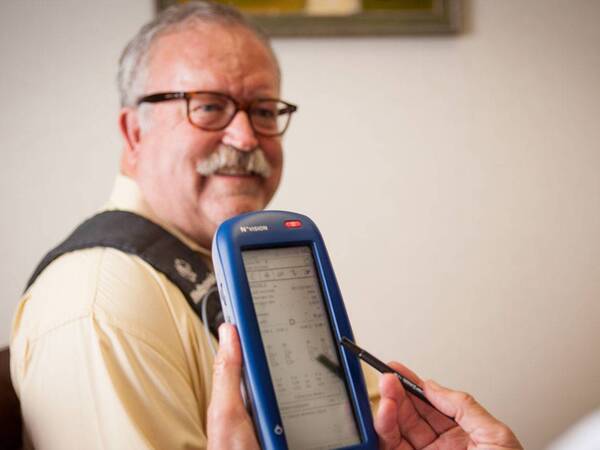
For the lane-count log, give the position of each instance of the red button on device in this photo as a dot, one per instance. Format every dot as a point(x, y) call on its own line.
point(292, 224)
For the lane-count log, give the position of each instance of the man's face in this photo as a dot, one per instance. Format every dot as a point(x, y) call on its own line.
point(229, 60)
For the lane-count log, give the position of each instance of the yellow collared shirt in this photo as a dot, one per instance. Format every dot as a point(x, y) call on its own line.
point(106, 353)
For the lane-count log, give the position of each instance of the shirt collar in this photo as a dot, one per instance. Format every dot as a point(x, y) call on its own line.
point(127, 196)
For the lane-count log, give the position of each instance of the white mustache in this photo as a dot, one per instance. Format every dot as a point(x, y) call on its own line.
point(228, 160)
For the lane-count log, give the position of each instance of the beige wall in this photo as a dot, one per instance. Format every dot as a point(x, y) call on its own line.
point(454, 179)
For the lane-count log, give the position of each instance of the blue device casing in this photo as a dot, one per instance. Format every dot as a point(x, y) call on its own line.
point(267, 229)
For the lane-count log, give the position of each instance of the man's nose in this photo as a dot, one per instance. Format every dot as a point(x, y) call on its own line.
point(239, 133)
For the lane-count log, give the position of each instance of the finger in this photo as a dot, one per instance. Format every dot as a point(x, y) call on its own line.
point(437, 421)
point(408, 421)
point(226, 398)
point(228, 424)
point(386, 425)
point(460, 405)
point(473, 418)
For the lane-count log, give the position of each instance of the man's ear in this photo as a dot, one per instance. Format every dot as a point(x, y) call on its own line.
point(129, 125)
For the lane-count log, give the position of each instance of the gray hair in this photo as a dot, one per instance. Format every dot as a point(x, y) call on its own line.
point(134, 59)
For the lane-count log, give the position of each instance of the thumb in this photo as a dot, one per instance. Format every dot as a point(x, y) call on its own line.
point(228, 425)
point(227, 368)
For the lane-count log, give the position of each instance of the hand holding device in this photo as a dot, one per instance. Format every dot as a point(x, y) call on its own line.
point(228, 424)
point(403, 421)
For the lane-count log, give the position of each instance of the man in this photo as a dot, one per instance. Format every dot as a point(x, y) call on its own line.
point(106, 351)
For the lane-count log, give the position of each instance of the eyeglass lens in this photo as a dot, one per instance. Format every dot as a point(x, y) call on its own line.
point(212, 112)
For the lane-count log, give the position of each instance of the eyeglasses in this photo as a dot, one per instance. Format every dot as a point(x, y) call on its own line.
point(213, 111)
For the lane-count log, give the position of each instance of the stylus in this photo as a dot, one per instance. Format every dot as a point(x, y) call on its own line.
point(379, 365)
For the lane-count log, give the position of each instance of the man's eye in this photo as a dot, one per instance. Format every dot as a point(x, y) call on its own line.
point(208, 107)
point(263, 113)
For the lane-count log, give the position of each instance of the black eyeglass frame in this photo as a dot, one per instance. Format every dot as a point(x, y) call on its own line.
point(168, 96)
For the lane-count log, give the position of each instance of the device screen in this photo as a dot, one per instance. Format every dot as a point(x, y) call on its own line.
point(301, 353)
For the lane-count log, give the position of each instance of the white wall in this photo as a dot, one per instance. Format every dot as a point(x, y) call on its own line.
point(454, 180)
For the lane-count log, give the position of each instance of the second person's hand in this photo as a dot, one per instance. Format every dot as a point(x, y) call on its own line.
point(404, 422)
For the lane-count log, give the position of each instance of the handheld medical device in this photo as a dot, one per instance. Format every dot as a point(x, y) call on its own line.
point(278, 287)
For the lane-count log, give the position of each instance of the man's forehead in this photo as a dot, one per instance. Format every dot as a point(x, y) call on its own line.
point(207, 53)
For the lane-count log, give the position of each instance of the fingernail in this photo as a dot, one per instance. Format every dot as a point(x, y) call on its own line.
point(223, 334)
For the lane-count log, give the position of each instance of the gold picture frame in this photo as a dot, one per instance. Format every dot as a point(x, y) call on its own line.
point(349, 17)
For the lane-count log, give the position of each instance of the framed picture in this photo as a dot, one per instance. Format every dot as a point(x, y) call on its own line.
point(348, 17)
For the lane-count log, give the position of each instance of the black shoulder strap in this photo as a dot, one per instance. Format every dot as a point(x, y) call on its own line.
point(131, 233)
